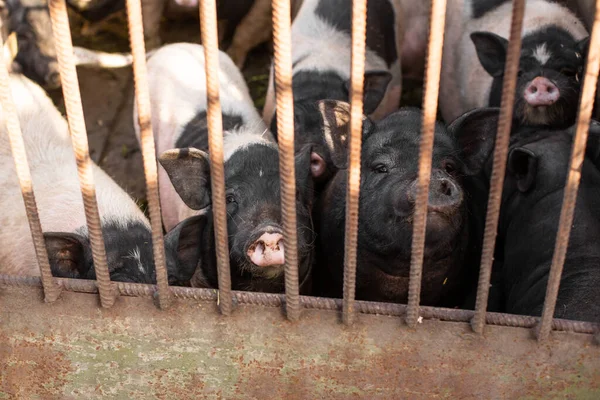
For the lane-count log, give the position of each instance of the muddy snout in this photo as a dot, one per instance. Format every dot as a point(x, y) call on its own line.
point(268, 250)
point(541, 92)
point(445, 196)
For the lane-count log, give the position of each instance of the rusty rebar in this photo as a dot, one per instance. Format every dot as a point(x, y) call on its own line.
point(308, 302)
point(430, 102)
point(72, 96)
point(357, 77)
point(17, 146)
point(208, 27)
point(282, 43)
point(499, 164)
point(567, 211)
point(142, 96)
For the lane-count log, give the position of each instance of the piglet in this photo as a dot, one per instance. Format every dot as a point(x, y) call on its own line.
point(257, 247)
point(389, 165)
point(554, 48)
point(126, 230)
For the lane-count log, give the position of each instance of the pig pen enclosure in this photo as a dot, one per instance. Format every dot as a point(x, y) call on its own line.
point(68, 338)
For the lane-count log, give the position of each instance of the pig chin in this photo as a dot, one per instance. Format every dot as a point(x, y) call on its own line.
point(443, 232)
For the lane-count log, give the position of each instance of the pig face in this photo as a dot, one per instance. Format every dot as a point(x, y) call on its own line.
point(254, 223)
point(128, 251)
point(36, 56)
point(549, 79)
point(389, 166)
point(308, 124)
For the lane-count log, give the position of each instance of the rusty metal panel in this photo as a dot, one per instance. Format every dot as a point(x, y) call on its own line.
point(74, 349)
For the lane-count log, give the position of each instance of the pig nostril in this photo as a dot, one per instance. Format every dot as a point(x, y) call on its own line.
point(533, 89)
point(550, 89)
point(446, 188)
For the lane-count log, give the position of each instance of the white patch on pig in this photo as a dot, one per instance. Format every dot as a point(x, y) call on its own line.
point(55, 181)
point(542, 54)
point(260, 172)
point(242, 139)
point(135, 254)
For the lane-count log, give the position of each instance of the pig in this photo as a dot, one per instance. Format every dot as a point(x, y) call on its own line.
point(126, 231)
point(36, 56)
point(537, 169)
point(321, 52)
point(179, 119)
point(386, 209)
point(552, 58)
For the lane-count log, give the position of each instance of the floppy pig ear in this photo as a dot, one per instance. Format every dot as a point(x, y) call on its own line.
point(374, 88)
point(66, 253)
point(189, 171)
point(336, 126)
point(583, 46)
point(475, 132)
point(491, 51)
point(522, 164)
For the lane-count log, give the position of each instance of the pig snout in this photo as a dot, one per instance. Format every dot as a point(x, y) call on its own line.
point(52, 80)
point(541, 92)
point(444, 196)
point(268, 250)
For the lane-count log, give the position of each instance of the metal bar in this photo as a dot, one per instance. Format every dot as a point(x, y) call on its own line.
point(430, 103)
point(586, 105)
point(308, 302)
point(15, 136)
point(357, 76)
point(70, 86)
point(208, 27)
point(282, 40)
point(142, 96)
point(499, 164)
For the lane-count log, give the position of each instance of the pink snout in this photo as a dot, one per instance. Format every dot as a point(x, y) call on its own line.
point(541, 92)
point(268, 250)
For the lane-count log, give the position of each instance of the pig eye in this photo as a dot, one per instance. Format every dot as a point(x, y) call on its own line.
point(230, 199)
point(381, 169)
point(568, 72)
point(449, 167)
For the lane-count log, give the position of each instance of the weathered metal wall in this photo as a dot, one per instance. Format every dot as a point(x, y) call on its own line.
point(75, 349)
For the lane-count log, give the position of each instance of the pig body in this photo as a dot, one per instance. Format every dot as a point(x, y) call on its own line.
point(388, 189)
point(126, 230)
point(321, 57)
point(552, 56)
point(532, 198)
point(179, 118)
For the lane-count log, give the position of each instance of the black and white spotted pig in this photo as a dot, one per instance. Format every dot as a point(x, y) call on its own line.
point(389, 165)
point(126, 230)
point(178, 97)
point(551, 63)
point(321, 52)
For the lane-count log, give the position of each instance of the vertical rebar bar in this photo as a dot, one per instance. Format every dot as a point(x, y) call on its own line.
point(499, 164)
point(357, 77)
point(17, 146)
point(208, 27)
point(586, 105)
point(72, 96)
point(282, 41)
point(142, 96)
point(430, 103)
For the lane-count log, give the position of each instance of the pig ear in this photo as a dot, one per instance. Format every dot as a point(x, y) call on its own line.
point(189, 171)
point(186, 244)
point(583, 46)
point(308, 163)
point(336, 125)
point(475, 132)
point(491, 50)
point(66, 252)
point(522, 164)
point(375, 86)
